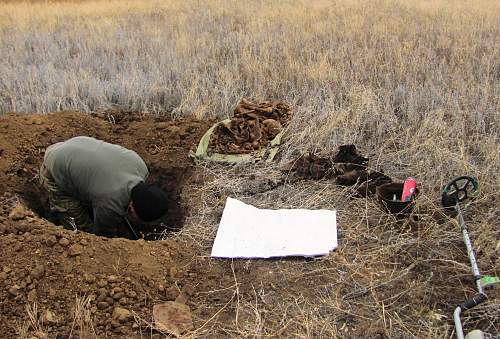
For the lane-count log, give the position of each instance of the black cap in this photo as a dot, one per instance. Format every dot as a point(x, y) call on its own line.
point(150, 202)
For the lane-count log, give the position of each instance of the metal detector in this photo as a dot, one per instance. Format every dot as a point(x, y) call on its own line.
point(462, 190)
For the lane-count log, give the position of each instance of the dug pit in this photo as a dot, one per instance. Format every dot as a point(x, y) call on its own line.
point(162, 143)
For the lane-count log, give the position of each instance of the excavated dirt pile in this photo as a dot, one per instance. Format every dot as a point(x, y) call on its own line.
point(253, 126)
point(114, 281)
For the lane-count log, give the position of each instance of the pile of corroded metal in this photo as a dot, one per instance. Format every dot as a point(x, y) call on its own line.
point(347, 167)
point(252, 127)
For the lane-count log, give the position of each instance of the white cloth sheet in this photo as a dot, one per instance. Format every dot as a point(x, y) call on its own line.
point(249, 232)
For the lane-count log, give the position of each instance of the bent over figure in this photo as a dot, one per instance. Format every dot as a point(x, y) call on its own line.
point(99, 187)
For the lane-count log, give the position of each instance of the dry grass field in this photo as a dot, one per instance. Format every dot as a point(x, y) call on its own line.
point(414, 84)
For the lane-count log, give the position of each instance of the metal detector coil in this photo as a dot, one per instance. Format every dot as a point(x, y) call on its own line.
point(459, 190)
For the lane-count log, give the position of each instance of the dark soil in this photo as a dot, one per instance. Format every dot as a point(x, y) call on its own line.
point(53, 265)
point(162, 143)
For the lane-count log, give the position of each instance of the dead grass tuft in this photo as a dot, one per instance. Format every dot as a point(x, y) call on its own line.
point(83, 323)
point(33, 326)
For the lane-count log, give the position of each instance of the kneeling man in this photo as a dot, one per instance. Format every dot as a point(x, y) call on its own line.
point(99, 187)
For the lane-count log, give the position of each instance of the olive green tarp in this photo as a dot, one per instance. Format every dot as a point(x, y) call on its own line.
point(266, 153)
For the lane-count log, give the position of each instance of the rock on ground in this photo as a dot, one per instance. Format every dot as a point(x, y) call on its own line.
point(75, 250)
point(122, 315)
point(173, 317)
point(49, 318)
point(20, 212)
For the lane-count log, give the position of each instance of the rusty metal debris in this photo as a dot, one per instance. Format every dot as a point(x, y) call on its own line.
point(312, 166)
point(253, 126)
point(346, 167)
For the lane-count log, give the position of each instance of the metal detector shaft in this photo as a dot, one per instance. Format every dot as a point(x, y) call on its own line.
point(478, 298)
point(132, 229)
point(470, 250)
point(470, 303)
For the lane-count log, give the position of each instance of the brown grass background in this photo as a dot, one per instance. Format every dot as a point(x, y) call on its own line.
point(415, 85)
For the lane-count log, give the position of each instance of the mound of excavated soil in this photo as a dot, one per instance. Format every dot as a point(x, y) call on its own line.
point(44, 264)
point(48, 265)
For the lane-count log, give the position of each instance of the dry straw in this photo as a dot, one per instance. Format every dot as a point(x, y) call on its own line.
point(415, 85)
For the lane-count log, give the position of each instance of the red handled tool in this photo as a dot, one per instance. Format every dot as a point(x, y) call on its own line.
point(409, 189)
